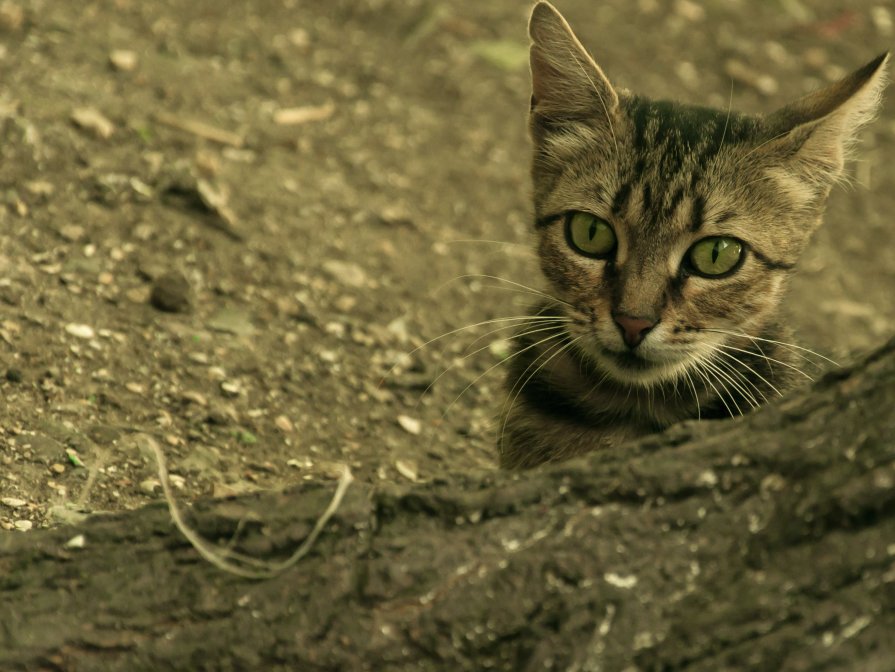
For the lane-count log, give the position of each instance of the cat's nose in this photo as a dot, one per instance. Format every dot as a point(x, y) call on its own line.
point(633, 329)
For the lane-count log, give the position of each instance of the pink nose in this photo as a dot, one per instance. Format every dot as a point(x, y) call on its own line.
point(633, 329)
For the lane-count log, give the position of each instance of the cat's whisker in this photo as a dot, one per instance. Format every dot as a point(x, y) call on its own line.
point(531, 290)
point(740, 382)
point(556, 350)
point(514, 321)
point(560, 333)
point(792, 347)
point(523, 334)
point(724, 380)
point(727, 118)
point(540, 321)
point(767, 359)
point(700, 366)
point(485, 241)
point(695, 395)
point(751, 370)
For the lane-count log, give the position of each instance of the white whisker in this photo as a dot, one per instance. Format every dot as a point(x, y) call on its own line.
point(556, 350)
point(485, 347)
point(792, 347)
point(766, 358)
point(501, 362)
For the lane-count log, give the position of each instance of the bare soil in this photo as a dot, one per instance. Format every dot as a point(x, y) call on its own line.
point(184, 253)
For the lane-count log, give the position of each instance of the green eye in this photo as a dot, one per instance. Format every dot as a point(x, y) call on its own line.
point(716, 256)
point(589, 234)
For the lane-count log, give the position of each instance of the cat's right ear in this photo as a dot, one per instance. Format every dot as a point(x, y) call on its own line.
point(566, 82)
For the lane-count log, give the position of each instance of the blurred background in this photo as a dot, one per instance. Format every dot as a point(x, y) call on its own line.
point(232, 225)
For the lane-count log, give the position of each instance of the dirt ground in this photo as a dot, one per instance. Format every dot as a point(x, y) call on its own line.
point(227, 224)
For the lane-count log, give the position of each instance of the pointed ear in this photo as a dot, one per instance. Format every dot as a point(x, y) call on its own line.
point(816, 132)
point(566, 82)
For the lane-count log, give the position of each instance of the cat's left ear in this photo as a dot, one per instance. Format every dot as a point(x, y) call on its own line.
point(566, 82)
point(817, 131)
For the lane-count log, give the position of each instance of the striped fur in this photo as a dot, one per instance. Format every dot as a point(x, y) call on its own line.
point(663, 175)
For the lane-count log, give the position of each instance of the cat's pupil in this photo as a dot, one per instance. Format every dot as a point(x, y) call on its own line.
point(716, 250)
point(592, 231)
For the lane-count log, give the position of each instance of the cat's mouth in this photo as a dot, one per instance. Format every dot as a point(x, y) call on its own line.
point(634, 368)
point(630, 360)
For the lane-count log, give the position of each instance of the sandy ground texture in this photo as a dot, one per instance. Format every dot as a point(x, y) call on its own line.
point(231, 225)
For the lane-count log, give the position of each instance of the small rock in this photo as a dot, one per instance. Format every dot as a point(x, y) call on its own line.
point(77, 541)
point(65, 514)
point(882, 20)
point(14, 375)
point(284, 424)
point(689, 10)
point(216, 373)
point(410, 425)
point(40, 188)
point(407, 469)
point(328, 356)
point(94, 121)
point(346, 272)
point(80, 330)
point(294, 116)
point(739, 71)
point(136, 388)
point(123, 60)
point(171, 293)
point(12, 17)
point(232, 321)
point(72, 232)
point(57, 468)
point(231, 388)
point(23, 525)
point(150, 486)
point(195, 398)
point(13, 502)
point(624, 581)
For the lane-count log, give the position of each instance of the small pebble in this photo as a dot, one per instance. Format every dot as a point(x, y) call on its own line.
point(689, 10)
point(230, 388)
point(882, 19)
point(410, 425)
point(171, 293)
point(72, 232)
point(195, 398)
point(150, 486)
point(12, 17)
point(93, 121)
point(123, 60)
point(346, 272)
point(284, 424)
point(13, 502)
point(216, 373)
point(57, 468)
point(23, 525)
point(407, 469)
point(14, 375)
point(77, 541)
point(80, 330)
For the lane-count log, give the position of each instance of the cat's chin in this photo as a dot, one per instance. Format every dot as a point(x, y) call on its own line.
point(631, 368)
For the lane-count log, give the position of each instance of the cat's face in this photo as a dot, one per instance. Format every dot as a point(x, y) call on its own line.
point(665, 229)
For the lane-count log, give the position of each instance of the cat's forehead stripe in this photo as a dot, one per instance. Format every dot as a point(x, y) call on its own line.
point(620, 200)
point(697, 217)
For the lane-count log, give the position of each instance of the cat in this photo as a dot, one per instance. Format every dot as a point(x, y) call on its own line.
point(666, 233)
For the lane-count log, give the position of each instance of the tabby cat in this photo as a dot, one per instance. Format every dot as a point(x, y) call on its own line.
point(666, 233)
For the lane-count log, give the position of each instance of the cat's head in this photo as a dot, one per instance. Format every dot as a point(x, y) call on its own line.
point(662, 226)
